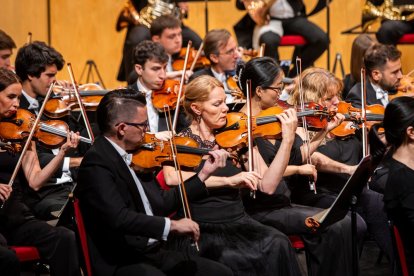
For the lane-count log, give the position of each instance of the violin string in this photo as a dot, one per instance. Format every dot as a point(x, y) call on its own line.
point(60, 132)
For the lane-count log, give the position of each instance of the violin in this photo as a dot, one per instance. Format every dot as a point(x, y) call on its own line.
point(353, 119)
point(154, 152)
point(201, 62)
point(51, 134)
point(65, 101)
point(167, 95)
point(266, 124)
point(406, 87)
point(235, 91)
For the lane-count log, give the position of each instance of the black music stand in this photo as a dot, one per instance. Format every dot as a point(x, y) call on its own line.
point(91, 67)
point(347, 198)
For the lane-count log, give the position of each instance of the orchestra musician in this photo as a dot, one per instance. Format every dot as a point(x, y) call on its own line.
point(37, 65)
point(151, 61)
point(6, 50)
point(56, 245)
point(221, 49)
point(125, 212)
point(391, 31)
point(167, 31)
point(276, 210)
point(383, 68)
point(399, 190)
point(286, 17)
point(140, 32)
point(229, 235)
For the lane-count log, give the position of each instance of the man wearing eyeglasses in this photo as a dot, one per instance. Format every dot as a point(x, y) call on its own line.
point(222, 51)
point(125, 212)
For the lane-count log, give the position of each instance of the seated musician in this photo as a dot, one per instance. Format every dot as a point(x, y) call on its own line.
point(125, 212)
point(391, 31)
point(138, 32)
point(167, 31)
point(222, 51)
point(287, 17)
point(383, 69)
point(6, 50)
point(276, 210)
point(150, 61)
point(56, 245)
point(37, 65)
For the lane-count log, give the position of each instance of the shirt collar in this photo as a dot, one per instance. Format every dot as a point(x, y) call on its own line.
point(33, 103)
point(142, 88)
point(220, 76)
point(126, 156)
point(380, 93)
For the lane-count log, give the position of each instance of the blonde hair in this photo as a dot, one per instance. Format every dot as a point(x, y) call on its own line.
point(317, 84)
point(198, 90)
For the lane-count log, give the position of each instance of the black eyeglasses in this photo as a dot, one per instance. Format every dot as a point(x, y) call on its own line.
point(143, 125)
point(276, 89)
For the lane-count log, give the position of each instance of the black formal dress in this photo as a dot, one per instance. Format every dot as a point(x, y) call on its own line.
point(117, 225)
point(399, 204)
point(56, 245)
point(232, 237)
point(9, 263)
point(138, 33)
point(276, 211)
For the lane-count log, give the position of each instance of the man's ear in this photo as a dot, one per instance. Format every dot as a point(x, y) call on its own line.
point(156, 38)
point(138, 69)
point(376, 75)
point(213, 58)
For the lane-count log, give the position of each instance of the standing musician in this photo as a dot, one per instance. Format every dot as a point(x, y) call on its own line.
point(286, 17)
point(222, 51)
point(56, 245)
point(37, 65)
point(6, 50)
point(150, 61)
point(138, 33)
point(383, 67)
point(275, 210)
point(125, 212)
point(229, 235)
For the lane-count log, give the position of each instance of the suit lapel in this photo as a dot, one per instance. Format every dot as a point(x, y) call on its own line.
point(124, 173)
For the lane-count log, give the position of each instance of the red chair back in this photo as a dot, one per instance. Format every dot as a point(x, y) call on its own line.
point(26, 253)
point(406, 39)
point(400, 250)
point(292, 40)
point(80, 227)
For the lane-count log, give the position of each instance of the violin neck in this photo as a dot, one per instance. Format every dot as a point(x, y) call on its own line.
point(63, 133)
point(186, 149)
point(94, 93)
point(369, 116)
point(272, 119)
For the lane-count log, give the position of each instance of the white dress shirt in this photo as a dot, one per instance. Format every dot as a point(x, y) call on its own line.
point(223, 79)
point(152, 112)
point(381, 94)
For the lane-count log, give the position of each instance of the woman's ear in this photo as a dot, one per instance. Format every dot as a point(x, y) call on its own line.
point(196, 108)
point(259, 91)
point(410, 133)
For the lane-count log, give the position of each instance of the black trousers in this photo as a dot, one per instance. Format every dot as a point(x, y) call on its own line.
point(140, 33)
point(391, 31)
point(329, 251)
point(318, 42)
point(9, 263)
point(166, 262)
point(56, 245)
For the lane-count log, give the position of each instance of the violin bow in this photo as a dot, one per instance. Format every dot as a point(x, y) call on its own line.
point(197, 56)
point(81, 106)
point(312, 186)
point(363, 113)
point(181, 187)
point(250, 131)
point(261, 50)
point(29, 139)
point(180, 90)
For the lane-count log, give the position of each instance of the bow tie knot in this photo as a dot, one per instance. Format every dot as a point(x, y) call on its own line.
point(127, 158)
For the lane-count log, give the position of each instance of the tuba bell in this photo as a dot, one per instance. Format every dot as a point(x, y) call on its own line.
point(154, 9)
point(258, 10)
point(387, 10)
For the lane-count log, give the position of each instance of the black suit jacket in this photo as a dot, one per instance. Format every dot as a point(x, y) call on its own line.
point(202, 72)
point(116, 224)
point(354, 95)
